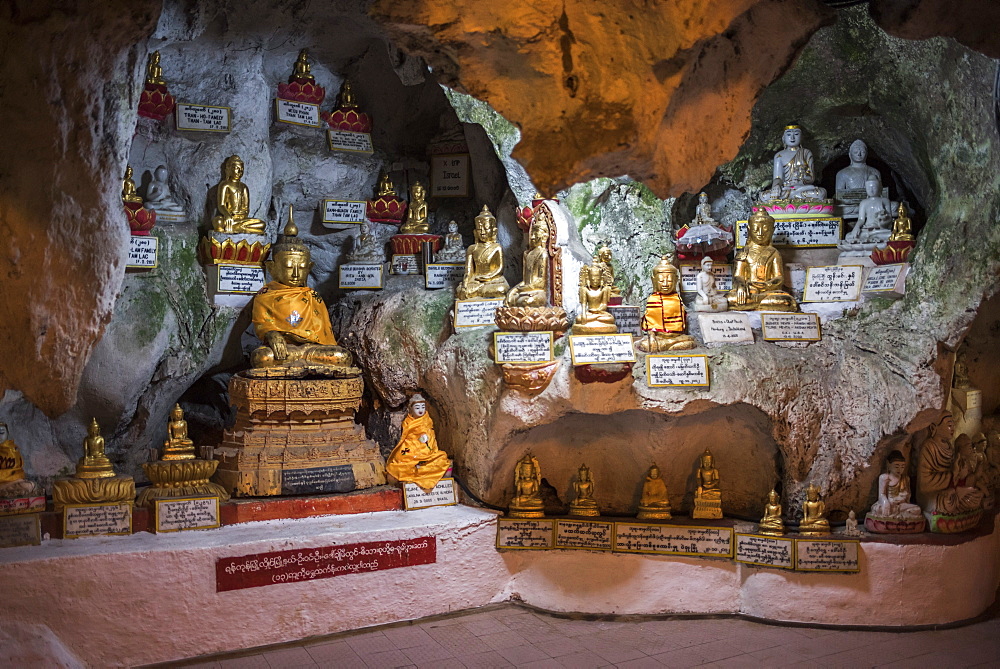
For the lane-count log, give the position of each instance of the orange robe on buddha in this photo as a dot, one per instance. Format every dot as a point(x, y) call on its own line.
point(664, 313)
point(417, 461)
point(292, 310)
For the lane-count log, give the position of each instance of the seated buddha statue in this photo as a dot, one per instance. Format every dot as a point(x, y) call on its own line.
point(367, 248)
point(708, 495)
point(12, 478)
point(708, 298)
point(416, 457)
point(602, 258)
point(232, 201)
point(794, 174)
point(759, 274)
point(94, 464)
point(533, 291)
point(177, 446)
point(814, 514)
point(158, 196)
point(129, 193)
point(874, 216)
point(416, 212)
point(453, 250)
point(902, 227)
point(772, 523)
point(527, 501)
point(664, 320)
point(483, 263)
point(290, 318)
point(301, 70)
point(584, 503)
point(594, 317)
point(654, 504)
point(154, 72)
point(941, 488)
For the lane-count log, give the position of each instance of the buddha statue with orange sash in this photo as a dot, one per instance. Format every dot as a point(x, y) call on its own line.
point(416, 458)
point(664, 321)
point(289, 317)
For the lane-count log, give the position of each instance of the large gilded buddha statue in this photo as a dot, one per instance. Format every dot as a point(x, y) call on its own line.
point(483, 263)
point(232, 202)
point(759, 273)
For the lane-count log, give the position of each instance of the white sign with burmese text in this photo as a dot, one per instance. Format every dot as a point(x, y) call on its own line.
point(344, 211)
point(677, 370)
point(297, 113)
point(442, 494)
point(350, 142)
point(886, 280)
point(203, 118)
point(476, 313)
point(731, 327)
point(142, 252)
point(442, 275)
point(790, 327)
point(689, 277)
point(833, 283)
point(522, 347)
point(601, 349)
point(361, 276)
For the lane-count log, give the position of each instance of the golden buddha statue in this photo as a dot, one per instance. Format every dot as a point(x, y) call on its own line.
point(814, 521)
point(759, 274)
point(416, 212)
point(177, 446)
point(232, 201)
point(346, 98)
point(772, 523)
point(602, 258)
point(707, 496)
point(385, 186)
point(594, 317)
point(664, 320)
point(533, 291)
point(302, 69)
point(154, 73)
point(129, 193)
point(584, 504)
point(527, 501)
point(654, 504)
point(94, 464)
point(290, 318)
point(417, 458)
point(483, 263)
point(902, 227)
point(12, 477)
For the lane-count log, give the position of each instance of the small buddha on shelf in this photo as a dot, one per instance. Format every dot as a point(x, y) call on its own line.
point(902, 227)
point(232, 202)
point(94, 464)
point(158, 198)
point(794, 173)
point(453, 250)
point(708, 298)
point(851, 525)
point(347, 116)
point(594, 317)
point(759, 273)
point(386, 206)
point(12, 477)
point(584, 503)
point(708, 495)
point(95, 480)
point(814, 520)
point(301, 86)
point(602, 258)
point(140, 219)
point(654, 504)
point(416, 212)
point(527, 501)
point(416, 457)
point(534, 287)
point(772, 522)
point(892, 512)
point(367, 248)
point(483, 263)
point(665, 321)
point(874, 216)
point(178, 445)
point(155, 101)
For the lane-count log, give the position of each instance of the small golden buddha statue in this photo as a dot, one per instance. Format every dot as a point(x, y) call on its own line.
point(177, 446)
point(416, 212)
point(302, 69)
point(814, 521)
point(584, 504)
point(417, 458)
point(232, 201)
point(12, 478)
point(483, 263)
point(654, 503)
point(94, 464)
point(664, 320)
point(902, 227)
point(290, 318)
point(154, 73)
point(759, 274)
point(346, 98)
point(772, 523)
point(385, 186)
point(594, 317)
point(129, 193)
point(533, 291)
point(602, 258)
point(527, 501)
point(707, 496)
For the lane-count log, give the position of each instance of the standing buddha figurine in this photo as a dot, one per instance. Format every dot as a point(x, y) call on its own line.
point(416, 212)
point(814, 520)
point(654, 504)
point(759, 273)
point(483, 263)
point(527, 501)
point(232, 201)
point(583, 487)
point(707, 496)
point(416, 457)
point(772, 523)
point(595, 293)
point(664, 320)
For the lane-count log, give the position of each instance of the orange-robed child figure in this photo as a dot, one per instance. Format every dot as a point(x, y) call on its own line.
point(416, 457)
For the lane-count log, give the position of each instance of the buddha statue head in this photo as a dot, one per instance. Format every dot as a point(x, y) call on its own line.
point(177, 413)
point(654, 472)
point(760, 227)
point(703, 198)
point(944, 428)
point(232, 168)
point(526, 467)
point(706, 459)
point(4, 433)
point(539, 232)
point(666, 276)
point(812, 492)
point(486, 226)
point(346, 99)
point(603, 253)
point(858, 151)
point(584, 473)
point(417, 192)
point(595, 277)
point(290, 261)
point(772, 497)
point(417, 406)
point(706, 264)
point(895, 464)
point(792, 136)
point(873, 187)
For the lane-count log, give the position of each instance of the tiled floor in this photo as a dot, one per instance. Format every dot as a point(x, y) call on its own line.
point(510, 636)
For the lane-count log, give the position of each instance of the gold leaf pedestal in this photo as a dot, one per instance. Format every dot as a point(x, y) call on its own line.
point(180, 478)
point(107, 490)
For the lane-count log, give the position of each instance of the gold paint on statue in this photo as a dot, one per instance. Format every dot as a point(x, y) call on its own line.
point(772, 523)
point(385, 186)
point(533, 291)
point(11, 462)
point(602, 258)
point(346, 98)
point(759, 273)
point(527, 501)
point(417, 458)
point(654, 504)
point(595, 292)
point(128, 187)
point(154, 73)
point(232, 201)
point(707, 496)
point(664, 320)
point(902, 227)
point(94, 464)
point(177, 446)
point(584, 503)
point(302, 69)
point(814, 521)
point(95, 480)
point(483, 263)
point(416, 212)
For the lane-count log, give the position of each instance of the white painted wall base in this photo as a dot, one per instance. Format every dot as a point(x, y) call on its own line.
point(147, 598)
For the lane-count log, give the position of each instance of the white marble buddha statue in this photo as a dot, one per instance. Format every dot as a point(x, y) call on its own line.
point(367, 249)
point(453, 250)
point(158, 197)
point(853, 178)
point(875, 217)
point(794, 173)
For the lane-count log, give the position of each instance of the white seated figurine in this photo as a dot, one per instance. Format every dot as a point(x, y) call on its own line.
point(454, 249)
point(851, 525)
point(367, 249)
point(853, 178)
point(158, 197)
point(875, 216)
point(708, 298)
point(794, 173)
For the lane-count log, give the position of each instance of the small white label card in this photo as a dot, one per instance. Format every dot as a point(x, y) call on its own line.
point(186, 513)
point(689, 277)
point(344, 211)
point(827, 555)
point(600, 349)
point(85, 520)
point(241, 279)
point(522, 347)
point(886, 280)
point(673, 540)
point(525, 533)
point(360, 276)
point(627, 318)
point(475, 313)
point(450, 175)
point(799, 232)
point(594, 535)
point(203, 118)
point(297, 113)
point(21, 530)
point(777, 326)
point(726, 327)
point(765, 551)
point(142, 251)
point(677, 370)
point(833, 283)
point(351, 142)
point(405, 263)
point(442, 494)
point(442, 275)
